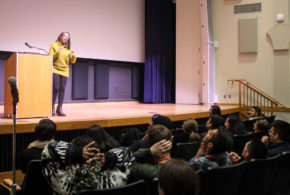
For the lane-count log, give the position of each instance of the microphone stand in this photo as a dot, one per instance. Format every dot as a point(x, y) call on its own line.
point(15, 100)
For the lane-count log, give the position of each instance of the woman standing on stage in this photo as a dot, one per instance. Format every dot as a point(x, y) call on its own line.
point(63, 55)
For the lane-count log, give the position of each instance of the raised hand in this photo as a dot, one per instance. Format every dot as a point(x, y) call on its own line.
point(89, 151)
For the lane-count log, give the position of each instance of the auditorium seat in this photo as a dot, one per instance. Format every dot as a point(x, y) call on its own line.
point(222, 180)
point(34, 181)
point(185, 151)
point(281, 181)
point(259, 176)
point(138, 187)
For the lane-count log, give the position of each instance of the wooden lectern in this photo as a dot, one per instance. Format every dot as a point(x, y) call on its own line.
point(33, 73)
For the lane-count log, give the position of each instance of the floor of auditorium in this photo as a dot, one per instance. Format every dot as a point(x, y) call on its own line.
point(112, 114)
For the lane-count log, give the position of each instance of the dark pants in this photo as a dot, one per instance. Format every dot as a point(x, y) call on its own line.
point(59, 84)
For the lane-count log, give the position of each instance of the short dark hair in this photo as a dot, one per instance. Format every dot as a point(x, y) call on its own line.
point(190, 125)
point(222, 141)
point(129, 135)
point(216, 110)
point(217, 121)
point(282, 128)
point(45, 130)
point(257, 149)
point(257, 110)
point(177, 177)
point(158, 119)
point(158, 133)
point(263, 125)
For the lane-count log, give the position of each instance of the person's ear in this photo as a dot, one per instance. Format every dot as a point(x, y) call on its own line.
point(209, 147)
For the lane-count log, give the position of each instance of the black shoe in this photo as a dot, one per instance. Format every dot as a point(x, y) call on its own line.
point(59, 112)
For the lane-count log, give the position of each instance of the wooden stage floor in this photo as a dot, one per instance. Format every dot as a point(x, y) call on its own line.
point(112, 114)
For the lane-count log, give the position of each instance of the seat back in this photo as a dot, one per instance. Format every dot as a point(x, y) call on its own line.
point(222, 180)
point(259, 176)
point(138, 187)
point(281, 182)
point(34, 181)
point(186, 151)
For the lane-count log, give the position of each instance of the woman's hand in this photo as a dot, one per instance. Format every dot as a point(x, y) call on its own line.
point(73, 52)
point(89, 151)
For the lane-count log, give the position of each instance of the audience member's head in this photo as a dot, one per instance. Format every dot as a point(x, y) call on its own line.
point(45, 130)
point(254, 149)
point(214, 109)
point(218, 141)
point(255, 112)
point(214, 122)
point(177, 177)
point(158, 119)
point(234, 125)
point(158, 133)
point(103, 140)
point(262, 125)
point(130, 135)
point(279, 132)
point(190, 125)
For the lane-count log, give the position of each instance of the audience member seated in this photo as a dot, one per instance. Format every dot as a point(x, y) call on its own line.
point(177, 177)
point(262, 125)
point(73, 167)
point(213, 151)
point(214, 122)
point(214, 109)
point(255, 113)
point(189, 129)
point(234, 125)
point(253, 149)
point(44, 133)
point(279, 138)
point(130, 135)
point(147, 168)
point(157, 119)
point(103, 140)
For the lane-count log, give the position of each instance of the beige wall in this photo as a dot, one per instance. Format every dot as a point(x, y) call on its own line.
point(267, 69)
point(188, 52)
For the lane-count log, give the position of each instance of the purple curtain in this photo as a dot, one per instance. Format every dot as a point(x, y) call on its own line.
point(159, 70)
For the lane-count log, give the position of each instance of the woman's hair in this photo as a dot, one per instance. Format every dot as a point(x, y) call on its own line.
point(177, 177)
point(67, 45)
point(103, 140)
point(190, 125)
point(45, 130)
point(235, 125)
point(194, 137)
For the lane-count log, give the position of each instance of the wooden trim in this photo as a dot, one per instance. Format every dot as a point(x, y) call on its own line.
point(19, 176)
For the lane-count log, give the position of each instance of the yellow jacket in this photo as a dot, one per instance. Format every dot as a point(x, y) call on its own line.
point(61, 60)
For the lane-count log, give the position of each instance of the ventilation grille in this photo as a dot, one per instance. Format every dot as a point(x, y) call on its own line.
point(247, 8)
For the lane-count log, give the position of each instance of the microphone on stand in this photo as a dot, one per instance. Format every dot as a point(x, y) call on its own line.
point(14, 90)
point(28, 45)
